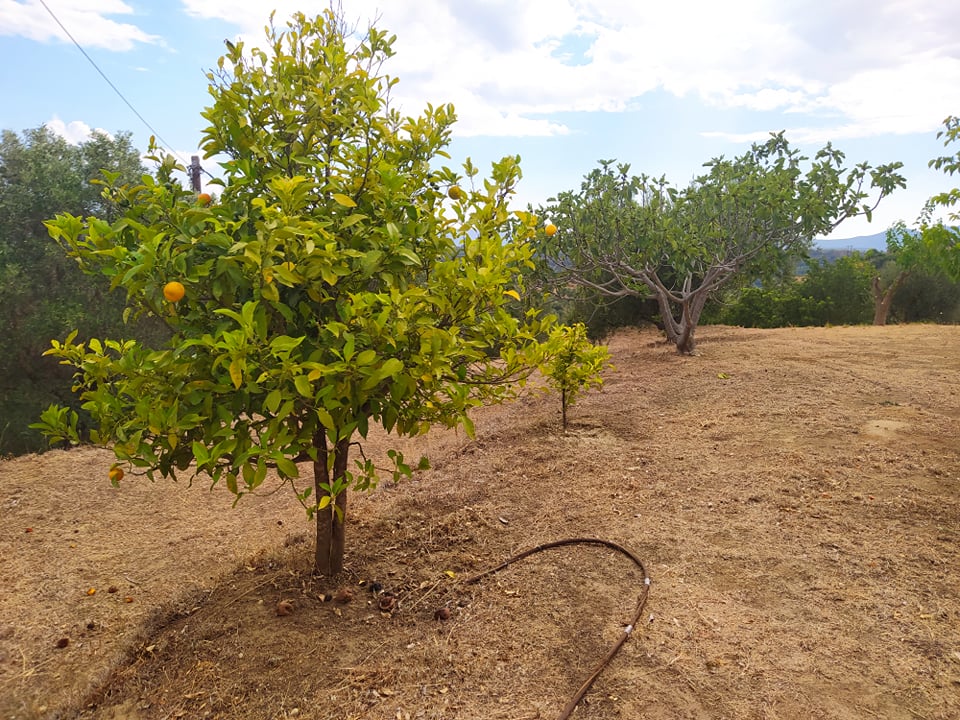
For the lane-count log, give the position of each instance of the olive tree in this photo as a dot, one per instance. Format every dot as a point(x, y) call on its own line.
point(624, 235)
point(343, 279)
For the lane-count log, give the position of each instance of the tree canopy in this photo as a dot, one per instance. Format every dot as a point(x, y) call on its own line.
point(622, 234)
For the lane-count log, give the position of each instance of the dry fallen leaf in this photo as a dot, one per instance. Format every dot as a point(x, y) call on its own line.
point(387, 603)
point(284, 607)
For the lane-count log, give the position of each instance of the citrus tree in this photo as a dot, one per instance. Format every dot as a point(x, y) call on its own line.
point(342, 279)
point(624, 235)
point(574, 364)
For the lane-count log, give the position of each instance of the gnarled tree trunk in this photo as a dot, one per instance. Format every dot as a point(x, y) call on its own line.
point(681, 332)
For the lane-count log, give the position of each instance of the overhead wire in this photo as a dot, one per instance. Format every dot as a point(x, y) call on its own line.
point(109, 82)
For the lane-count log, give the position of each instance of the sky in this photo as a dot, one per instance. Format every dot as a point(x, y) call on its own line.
point(564, 84)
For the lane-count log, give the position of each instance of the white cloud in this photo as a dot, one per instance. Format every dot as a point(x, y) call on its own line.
point(86, 20)
point(890, 66)
point(75, 131)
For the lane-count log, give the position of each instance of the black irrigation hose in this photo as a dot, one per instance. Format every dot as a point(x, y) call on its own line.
point(641, 603)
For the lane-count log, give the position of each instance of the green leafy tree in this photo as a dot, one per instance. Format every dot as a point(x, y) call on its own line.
point(839, 289)
point(42, 292)
point(636, 235)
point(770, 306)
point(338, 283)
point(927, 297)
point(574, 364)
point(934, 247)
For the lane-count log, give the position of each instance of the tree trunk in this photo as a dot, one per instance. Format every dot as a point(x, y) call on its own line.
point(883, 299)
point(685, 342)
point(670, 326)
point(680, 332)
point(691, 309)
point(331, 520)
point(563, 407)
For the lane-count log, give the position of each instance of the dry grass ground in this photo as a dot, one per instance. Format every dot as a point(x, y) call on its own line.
point(794, 493)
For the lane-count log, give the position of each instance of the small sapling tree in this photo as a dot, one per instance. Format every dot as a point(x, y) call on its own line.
point(574, 364)
point(335, 284)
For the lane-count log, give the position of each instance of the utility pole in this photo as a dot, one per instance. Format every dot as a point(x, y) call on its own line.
point(195, 173)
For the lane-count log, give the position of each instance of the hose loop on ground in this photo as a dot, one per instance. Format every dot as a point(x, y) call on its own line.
point(641, 603)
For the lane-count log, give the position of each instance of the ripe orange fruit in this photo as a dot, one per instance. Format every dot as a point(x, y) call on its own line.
point(550, 229)
point(116, 474)
point(454, 193)
point(204, 198)
point(174, 291)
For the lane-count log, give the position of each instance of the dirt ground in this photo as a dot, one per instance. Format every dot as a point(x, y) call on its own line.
point(794, 495)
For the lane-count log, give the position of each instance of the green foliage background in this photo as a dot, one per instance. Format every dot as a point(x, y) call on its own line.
point(42, 292)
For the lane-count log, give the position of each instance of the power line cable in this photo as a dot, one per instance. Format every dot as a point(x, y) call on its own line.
point(96, 67)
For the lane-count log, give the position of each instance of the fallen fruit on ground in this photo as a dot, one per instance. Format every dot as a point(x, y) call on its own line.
point(174, 291)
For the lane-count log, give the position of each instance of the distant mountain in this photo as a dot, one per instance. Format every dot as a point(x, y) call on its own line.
point(877, 241)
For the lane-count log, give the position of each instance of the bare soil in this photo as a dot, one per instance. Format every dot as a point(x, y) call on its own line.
point(794, 494)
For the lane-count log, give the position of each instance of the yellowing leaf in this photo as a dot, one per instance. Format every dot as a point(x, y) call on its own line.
point(236, 372)
point(512, 293)
point(344, 200)
point(449, 573)
point(722, 376)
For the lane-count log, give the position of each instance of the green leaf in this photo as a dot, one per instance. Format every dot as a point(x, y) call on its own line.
point(468, 427)
point(344, 200)
point(391, 366)
point(303, 385)
point(351, 220)
point(273, 400)
point(287, 467)
point(371, 261)
point(200, 453)
point(365, 357)
point(325, 418)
